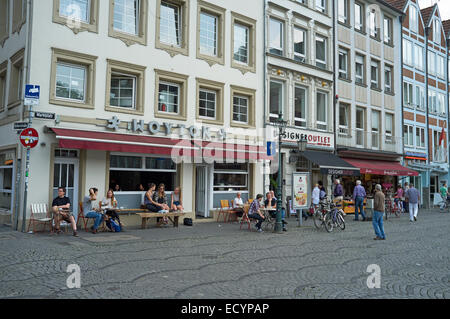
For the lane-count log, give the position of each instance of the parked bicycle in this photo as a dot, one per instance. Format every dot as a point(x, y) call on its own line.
point(334, 218)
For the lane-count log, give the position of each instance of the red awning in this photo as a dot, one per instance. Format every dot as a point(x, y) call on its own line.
point(381, 167)
point(127, 143)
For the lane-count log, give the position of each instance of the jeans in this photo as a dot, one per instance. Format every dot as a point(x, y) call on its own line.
point(377, 222)
point(359, 206)
point(98, 218)
point(413, 210)
point(258, 217)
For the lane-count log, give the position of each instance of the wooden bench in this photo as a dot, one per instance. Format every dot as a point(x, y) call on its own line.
point(147, 216)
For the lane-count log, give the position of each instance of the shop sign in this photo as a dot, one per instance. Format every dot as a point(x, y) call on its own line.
point(315, 139)
point(341, 172)
point(155, 127)
point(414, 155)
point(301, 190)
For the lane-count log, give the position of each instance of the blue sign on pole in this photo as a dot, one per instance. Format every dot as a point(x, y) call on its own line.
point(271, 148)
point(32, 91)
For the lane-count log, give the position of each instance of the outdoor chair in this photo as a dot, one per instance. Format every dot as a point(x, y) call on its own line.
point(86, 219)
point(225, 210)
point(39, 215)
point(245, 218)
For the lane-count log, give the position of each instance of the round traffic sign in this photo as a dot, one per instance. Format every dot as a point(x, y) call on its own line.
point(29, 137)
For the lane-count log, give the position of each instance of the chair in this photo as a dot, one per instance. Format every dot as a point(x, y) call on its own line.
point(250, 201)
point(86, 219)
point(39, 215)
point(225, 210)
point(244, 218)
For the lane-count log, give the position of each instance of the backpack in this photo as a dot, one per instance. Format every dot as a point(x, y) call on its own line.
point(113, 225)
point(187, 222)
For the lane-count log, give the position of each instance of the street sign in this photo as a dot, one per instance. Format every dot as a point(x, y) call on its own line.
point(271, 148)
point(29, 137)
point(44, 115)
point(20, 125)
point(32, 93)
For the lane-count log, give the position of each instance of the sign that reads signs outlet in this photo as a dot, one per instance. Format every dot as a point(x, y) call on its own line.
point(315, 139)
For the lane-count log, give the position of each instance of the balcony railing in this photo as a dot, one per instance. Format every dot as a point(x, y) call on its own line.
point(368, 140)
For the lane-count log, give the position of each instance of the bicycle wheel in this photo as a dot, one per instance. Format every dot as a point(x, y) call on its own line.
point(328, 222)
point(317, 217)
point(340, 220)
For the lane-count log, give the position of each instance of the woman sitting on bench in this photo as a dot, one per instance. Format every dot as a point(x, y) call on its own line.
point(176, 200)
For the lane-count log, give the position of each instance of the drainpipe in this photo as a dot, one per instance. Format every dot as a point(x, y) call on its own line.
point(447, 108)
point(427, 30)
point(401, 88)
point(264, 85)
point(334, 78)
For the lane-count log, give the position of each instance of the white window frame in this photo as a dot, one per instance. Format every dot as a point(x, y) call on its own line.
point(271, 47)
point(137, 17)
point(391, 133)
point(216, 35)
point(421, 135)
point(343, 72)
point(418, 56)
point(180, 24)
point(298, 119)
point(324, 39)
point(413, 19)
point(321, 123)
point(72, 4)
point(299, 56)
point(409, 135)
point(215, 104)
point(321, 5)
point(387, 30)
point(359, 26)
point(408, 95)
point(375, 83)
point(240, 96)
point(272, 115)
point(72, 65)
point(359, 78)
point(178, 96)
point(134, 78)
point(343, 16)
point(388, 87)
point(237, 24)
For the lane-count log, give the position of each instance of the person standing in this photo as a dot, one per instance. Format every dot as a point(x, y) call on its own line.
point(359, 193)
point(406, 204)
point(413, 196)
point(378, 212)
point(316, 195)
point(444, 192)
point(338, 191)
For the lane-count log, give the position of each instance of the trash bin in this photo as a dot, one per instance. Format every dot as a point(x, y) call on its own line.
point(369, 208)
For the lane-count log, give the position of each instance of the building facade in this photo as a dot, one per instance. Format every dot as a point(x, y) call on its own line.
point(368, 92)
point(142, 92)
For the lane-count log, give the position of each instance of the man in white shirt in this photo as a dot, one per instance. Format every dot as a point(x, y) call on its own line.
point(316, 195)
point(238, 204)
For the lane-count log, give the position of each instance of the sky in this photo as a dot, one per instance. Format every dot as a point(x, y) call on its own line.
point(444, 7)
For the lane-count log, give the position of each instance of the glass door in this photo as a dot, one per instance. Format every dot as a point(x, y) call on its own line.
point(202, 192)
point(66, 175)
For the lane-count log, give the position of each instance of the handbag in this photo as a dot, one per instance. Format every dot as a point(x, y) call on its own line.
point(187, 222)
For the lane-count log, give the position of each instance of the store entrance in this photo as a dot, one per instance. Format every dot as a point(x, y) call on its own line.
point(65, 172)
point(202, 191)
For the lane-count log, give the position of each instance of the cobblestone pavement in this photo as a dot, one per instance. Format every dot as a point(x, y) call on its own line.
point(212, 260)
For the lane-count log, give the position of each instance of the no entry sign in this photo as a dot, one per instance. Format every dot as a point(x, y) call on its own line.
point(29, 137)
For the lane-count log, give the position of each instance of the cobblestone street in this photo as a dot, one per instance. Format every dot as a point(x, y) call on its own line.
point(212, 260)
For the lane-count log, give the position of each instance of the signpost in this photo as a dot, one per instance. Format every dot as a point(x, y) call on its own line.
point(301, 193)
point(44, 115)
point(29, 139)
point(19, 126)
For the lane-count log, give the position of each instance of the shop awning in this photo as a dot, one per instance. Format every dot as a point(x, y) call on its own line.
point(128, 143)
point(331, 164)
point(381, 167)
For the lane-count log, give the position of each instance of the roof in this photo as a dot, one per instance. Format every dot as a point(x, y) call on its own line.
point(397, 4)
point(390, 4)
point(446, 25)
point(426, 14)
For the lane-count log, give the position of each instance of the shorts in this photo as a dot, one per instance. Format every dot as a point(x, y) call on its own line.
point(176, 203)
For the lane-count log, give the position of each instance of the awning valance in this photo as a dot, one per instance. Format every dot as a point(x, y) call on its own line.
point(128, 143)
point(381, 167)
point(331, 164)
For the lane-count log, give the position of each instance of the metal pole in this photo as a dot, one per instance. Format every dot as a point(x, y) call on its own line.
point(278, 225)
point(27, 173)
point(16, 192)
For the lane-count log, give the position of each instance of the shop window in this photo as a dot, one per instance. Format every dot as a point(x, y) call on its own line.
point(130, 171)
point(231, 177)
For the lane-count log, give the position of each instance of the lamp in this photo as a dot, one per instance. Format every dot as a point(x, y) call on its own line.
point(302, 144)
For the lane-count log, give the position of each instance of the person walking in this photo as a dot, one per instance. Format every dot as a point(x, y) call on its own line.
point(444, 192)
point(399, 197)
point(359, 193)
point(413, 196)
point(378, 212)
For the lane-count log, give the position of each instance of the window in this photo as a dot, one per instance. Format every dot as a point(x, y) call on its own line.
point(343, 11)
point(387, 30)
point(321, 5)
point(360, 126)
point(231, 177)
point(407, 52)
point(359, 69)
point(321, 52)
point(171, 98)
point(436, 31)
point(243, 107)
point(375, 129)
point(420, 137)
point(210, 101)
point(276, 36)
point(389, 127)
point(276, 99)
point(243, 39)
point(125, 87)
point(408, 94)
point(408, 135)
point(343, 64)
point(77, 15)
point(440, 108)
point(374, 74)
point(344, 119)
point(299, 45)
point(4, 21)
point(16, 79)
point(3, 73)
point(432, 103)
point(300, 106)
point(420, 97)
point(128, 21)
point(130, 171)
point(172, 26)
point(373, 27)
point(359, 17)
point(72, 79)
point(432, 62)
point(413, 19)
point(321, 110)
point(440, 66)
point(418, 56)
point(388, 79)
point(19, 15)
point(70, 82)
point(211, 33)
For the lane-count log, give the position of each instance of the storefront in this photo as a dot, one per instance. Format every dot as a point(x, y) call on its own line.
point(7, 173)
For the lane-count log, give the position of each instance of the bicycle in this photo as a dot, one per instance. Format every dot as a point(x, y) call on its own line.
point(334, 218)
point(319, 211)
point(392, 208)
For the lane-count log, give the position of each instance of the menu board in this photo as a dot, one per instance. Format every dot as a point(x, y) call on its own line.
point(301, 190)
